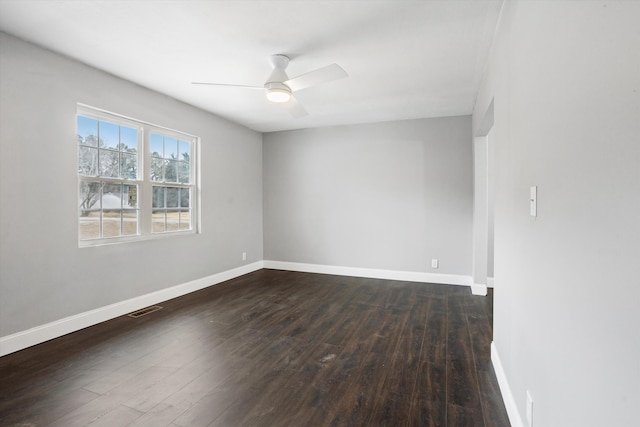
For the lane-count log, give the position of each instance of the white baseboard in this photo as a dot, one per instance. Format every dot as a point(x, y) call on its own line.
point(490, 282)
point(408, 276)
point(20, 340)
point(479, 289)
point(507, 395)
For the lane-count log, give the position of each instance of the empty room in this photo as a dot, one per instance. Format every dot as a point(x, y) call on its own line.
point(320, 213)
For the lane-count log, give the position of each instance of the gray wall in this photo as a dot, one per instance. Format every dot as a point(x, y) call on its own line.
point(44, 276)
point(565, 79)
point(390, 195)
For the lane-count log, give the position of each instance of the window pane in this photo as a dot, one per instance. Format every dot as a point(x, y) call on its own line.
point(111, 223)
point(184, 197)
point(173, 197)
point(185, 220)
point(170, 172)
point(128, 166)
point(158, 197)
point(157, 169)
point(109, 163)
point(89, 195)
point(87, 131)
point(170, 148)
point(185, 150)
point(156, 148)
point(128, 139)
point(131, 194)
point(183, 172)
point(112, 196)
point(158, 221)
point(109, 135)
point(130, 222)
point(173, 220)
point(87, 161)
point(89, 224)
point(89, 204)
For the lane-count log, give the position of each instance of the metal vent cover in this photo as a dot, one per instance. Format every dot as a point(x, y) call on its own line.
point(144, 311)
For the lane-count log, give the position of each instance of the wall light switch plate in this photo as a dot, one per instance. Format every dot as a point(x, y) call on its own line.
point(434, 263)
point(533, 201)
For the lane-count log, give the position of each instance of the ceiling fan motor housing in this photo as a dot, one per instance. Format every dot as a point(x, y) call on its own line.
point(277, 91)
point(279, 63)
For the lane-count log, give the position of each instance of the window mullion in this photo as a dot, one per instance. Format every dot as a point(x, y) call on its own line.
point(145, 187)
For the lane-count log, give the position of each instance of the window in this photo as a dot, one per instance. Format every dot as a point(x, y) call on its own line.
point(135, 180)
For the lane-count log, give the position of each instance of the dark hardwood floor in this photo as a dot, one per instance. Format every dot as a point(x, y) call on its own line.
point(272, 348)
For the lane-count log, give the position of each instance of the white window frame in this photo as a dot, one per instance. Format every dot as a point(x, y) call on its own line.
point(143, 180)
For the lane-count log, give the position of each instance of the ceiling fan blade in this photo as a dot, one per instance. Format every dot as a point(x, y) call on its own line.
point(228, 85)
point(316, 77)
point(295, 108)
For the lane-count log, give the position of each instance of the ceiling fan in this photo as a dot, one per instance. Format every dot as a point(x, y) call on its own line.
point(279, 87)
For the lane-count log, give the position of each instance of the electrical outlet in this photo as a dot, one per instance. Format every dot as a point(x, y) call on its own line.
point(434, 263)
point(529, 409)
point(244, 256)
point(533, 201)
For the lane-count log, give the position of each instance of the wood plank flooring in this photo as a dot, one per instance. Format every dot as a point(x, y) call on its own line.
point(272, 348)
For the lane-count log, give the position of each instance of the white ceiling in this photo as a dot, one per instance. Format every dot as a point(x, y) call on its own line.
point(406, 59)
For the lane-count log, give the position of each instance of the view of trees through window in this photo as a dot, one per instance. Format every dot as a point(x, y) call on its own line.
point(170, 163)
point(110, 158)
point(108, 206)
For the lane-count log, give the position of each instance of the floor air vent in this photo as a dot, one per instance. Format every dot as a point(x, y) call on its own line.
point(144, 311)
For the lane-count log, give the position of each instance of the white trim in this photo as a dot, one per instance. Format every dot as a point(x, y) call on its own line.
point(21, 340)
point(490, 282)
point(408, 276)
point(479, 289)
point(507, 395)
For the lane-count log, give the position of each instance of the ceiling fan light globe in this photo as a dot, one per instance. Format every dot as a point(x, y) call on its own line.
point(278, 95)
